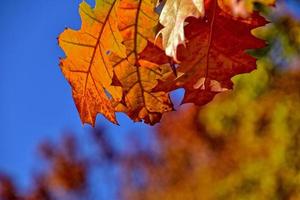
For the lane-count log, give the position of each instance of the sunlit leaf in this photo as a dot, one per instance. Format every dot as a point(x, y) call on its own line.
point(137, 76)
point(87, 65)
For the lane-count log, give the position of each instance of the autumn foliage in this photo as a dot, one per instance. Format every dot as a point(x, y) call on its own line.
point(242, 145)
point(130, 54)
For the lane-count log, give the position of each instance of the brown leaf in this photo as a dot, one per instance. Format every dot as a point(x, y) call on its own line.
point(136, 75)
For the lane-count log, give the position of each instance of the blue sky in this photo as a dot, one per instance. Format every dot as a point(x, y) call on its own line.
point(294, 6)
point(35, 100)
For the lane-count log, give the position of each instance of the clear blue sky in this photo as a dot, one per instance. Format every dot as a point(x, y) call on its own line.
point(35, 99)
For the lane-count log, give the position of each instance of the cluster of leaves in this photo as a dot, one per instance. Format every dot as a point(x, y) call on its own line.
point(242, 145)
point(128, 58)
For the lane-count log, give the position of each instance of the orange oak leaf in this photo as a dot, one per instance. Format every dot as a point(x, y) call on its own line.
point(137, 81)
point(215, 52)
point(87, 66)
point(137, 22)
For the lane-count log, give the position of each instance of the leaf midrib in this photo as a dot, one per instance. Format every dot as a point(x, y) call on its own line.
point(96, 47)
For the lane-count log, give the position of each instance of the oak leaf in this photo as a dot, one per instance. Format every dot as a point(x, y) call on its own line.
point(172, 17)
point(215, 52)
point(87, 66)
point(137, 76)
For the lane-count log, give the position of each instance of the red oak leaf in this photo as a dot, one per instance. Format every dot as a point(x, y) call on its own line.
point(214, 53)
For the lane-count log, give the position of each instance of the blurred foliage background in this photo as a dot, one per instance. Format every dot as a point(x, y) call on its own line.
point(242, 145)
